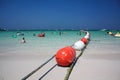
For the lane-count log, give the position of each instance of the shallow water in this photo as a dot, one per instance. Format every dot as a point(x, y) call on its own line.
point(10, 43)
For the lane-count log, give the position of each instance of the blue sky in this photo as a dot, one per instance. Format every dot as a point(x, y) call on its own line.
point(60, 14)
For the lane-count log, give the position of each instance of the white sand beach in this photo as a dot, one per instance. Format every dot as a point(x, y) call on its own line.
point(94, 64)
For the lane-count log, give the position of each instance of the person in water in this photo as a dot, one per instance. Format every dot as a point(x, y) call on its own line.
point(23, 40)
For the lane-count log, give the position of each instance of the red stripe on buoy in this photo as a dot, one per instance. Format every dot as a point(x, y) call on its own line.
point(65, 56)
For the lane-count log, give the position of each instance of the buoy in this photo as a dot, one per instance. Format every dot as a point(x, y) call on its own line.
point(87, 36)
point(65, 56)
point(84, 40)
point(79, 45)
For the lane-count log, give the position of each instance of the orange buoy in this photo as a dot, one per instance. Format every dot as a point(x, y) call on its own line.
point(65, 56)
point(84, 40)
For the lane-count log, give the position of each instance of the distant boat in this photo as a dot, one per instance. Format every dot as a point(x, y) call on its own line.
point(41, 35)
point(19, 34)
point(117, 34)
point(103, 29)
point(110, 33)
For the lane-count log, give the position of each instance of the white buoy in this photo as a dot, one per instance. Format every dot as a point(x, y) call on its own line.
point(79, 45)
point(87, 36)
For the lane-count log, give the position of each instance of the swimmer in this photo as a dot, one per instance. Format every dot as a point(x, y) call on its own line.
point(60, 33)
point(23, 40)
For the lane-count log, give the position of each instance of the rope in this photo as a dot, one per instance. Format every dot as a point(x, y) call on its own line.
point(47, 72)
point(31, 73)
point(72, 65)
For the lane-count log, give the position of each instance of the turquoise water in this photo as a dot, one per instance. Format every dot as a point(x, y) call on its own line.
point(10, 42)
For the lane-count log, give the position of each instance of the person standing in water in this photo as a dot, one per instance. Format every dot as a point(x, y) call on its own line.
point(23, 40)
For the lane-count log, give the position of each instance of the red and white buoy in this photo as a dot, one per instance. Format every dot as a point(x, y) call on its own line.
point(80, 45)
point(65, 56)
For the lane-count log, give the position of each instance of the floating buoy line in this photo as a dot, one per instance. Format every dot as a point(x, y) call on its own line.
point(65, 57)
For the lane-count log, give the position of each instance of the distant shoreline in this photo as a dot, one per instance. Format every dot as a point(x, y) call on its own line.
point(2, 29)
point(57, 30)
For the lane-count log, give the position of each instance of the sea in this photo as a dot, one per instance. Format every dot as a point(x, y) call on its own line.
point(10, 41)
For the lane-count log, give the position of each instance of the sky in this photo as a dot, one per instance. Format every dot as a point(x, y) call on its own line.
point(59, 14)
